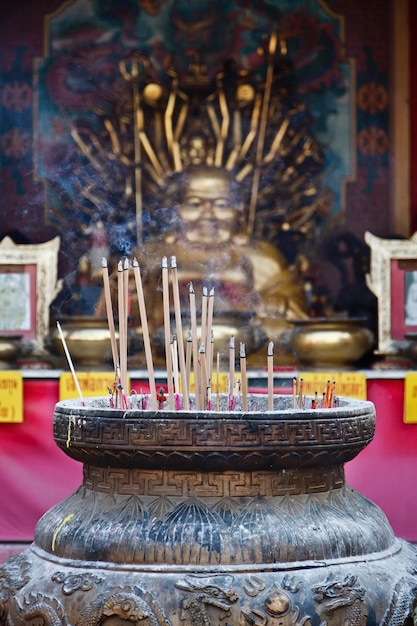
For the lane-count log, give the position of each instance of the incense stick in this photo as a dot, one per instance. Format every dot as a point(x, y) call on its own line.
point(209, 401)
point(270, 376)
point(125, 320)
point(332, 394)
point(167, 328)
point(210, 335)
point(174, 357)
point(121, 305)
point(109, 310)
point(188, 358)
point(231, 368)
point(218, 382)
point(145, 333)
point(301, 393)
point(193, 318)
point(204, 298)
point(71, 366)
point(180, 339)
point(243, 376)
point(294, 392)
point(204, 381)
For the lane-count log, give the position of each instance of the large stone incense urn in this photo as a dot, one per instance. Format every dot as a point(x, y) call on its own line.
point(212, 518)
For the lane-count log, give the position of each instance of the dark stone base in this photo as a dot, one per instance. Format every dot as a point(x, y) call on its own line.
point(39, 588)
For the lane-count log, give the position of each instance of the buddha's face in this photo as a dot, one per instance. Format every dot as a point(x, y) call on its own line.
point(208, 211)
point(197, 151)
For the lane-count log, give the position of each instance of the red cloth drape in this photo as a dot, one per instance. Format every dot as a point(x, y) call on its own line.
point(35, 473)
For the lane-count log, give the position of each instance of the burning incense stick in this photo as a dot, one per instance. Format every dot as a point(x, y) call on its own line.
point(193, 318)
point(209, 401)
point(231, 365)
point(167, 328)
point(71, 366)
point(218, 382)
point(324, 403)
point(294, 392)
point(235, 393)
point(121, 310)
point(178, 322)
point(174, 357)
point(204, 381)
point(328, 395)
point(270, 376)
point(145, 333)
point(204, 316)
point(126, 267)
point(243, 376)
point(188, 357)
point(210, 335)
point(301, 394)
point(109, 310)
point(209, 355)
point(332, 395)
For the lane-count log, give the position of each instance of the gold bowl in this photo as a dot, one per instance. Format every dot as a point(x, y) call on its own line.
point(87, 338)
point(330, 342)
point(10, 349)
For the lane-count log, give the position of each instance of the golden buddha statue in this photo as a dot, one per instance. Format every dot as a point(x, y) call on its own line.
point(213, 152)
point(212, 249)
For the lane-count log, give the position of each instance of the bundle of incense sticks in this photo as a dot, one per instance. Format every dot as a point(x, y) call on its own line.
point(182, 363)
point(119, 398)
point(327, 401)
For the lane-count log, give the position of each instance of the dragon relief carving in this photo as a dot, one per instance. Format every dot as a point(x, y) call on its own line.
point(403, 605)
point(276, 606)
point(13, 576)
point(206, 592)
point(341, 602)
point(39, 609)
point(128, 604)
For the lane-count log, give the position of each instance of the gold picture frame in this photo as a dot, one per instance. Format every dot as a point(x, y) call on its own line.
point(393, 270)
point(28, 285)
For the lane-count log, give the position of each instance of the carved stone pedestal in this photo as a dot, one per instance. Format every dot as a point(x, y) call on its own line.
point(240, 519)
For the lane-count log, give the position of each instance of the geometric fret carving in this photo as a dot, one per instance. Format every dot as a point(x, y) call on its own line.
point(218, 433)
point(212, 484)
point(202, 443)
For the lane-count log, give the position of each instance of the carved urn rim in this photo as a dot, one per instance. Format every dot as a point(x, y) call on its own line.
point(98, 435)
point(257, 408)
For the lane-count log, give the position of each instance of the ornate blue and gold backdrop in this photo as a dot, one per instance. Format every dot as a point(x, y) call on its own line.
point(61, 68)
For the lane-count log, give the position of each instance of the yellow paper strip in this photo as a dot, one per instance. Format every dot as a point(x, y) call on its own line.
point(410, 398)
point(223, 380)
point(92, 384)
point(11, 397)
point(348, 384)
